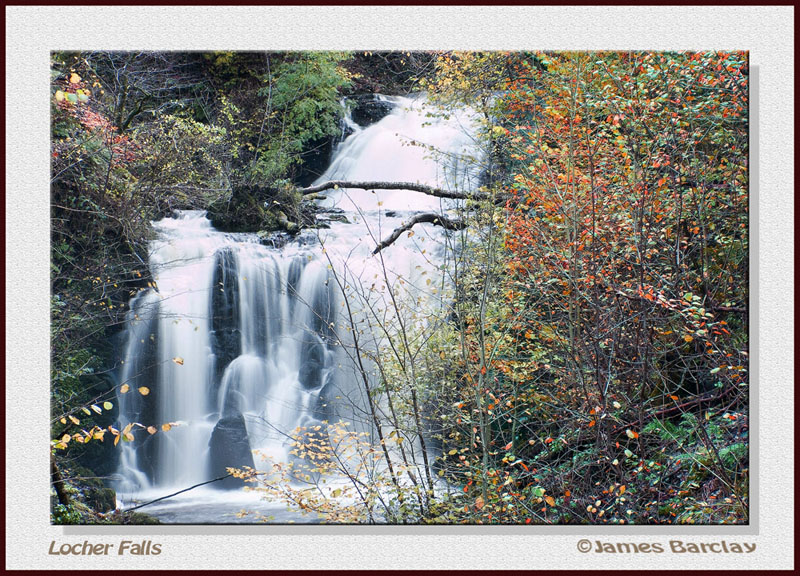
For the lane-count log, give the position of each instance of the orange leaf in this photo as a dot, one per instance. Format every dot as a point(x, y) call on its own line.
point(550, 500)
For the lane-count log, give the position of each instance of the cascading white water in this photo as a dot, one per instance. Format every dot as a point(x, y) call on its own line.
point(238, 341)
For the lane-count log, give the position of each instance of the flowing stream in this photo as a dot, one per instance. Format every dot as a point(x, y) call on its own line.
point(239, 343)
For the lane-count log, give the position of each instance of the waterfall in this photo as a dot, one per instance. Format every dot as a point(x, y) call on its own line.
point(239, 343)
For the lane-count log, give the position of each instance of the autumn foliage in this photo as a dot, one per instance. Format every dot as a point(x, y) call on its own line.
point(616, 341)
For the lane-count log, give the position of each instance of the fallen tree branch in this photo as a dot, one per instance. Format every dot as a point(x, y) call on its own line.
point(425, 218)
point(429, 190)
point(126, 510)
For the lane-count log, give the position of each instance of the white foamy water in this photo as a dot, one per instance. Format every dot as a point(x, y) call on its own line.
point(237, 332)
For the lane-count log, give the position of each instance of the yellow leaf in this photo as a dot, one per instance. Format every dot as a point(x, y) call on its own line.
point(622, 489)
point(74, 79)
point(144, 390)
point(97, 408)
point(166, 427)
point(63, 420)
point(124, 389)
point(108, 405)
point(152, 429)
point(550, 500)
point(74, 420)
point(178, 360)
point(59, 96)
point(66, 438)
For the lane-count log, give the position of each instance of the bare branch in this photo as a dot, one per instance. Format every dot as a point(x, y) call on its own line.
point(429, 190)
point(426, 218)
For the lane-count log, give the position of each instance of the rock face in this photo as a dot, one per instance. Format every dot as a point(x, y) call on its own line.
point(230, 447)
point(369, 108)
point(312, 362)
point(315, 158)
point(226, 336)
point(323, 410)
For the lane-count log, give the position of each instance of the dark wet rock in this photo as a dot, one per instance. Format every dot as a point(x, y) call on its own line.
point(315, 160)
point(230, 447)
point(312, 362)
point(324, 408)
point(368, 109)
point(273, 239)
point(226, 335)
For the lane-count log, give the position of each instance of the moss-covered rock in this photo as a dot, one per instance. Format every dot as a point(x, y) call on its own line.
point(102, 499)
point(277, 208)
point(138, 518)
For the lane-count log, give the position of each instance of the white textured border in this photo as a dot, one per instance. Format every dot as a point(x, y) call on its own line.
point(767, 32)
